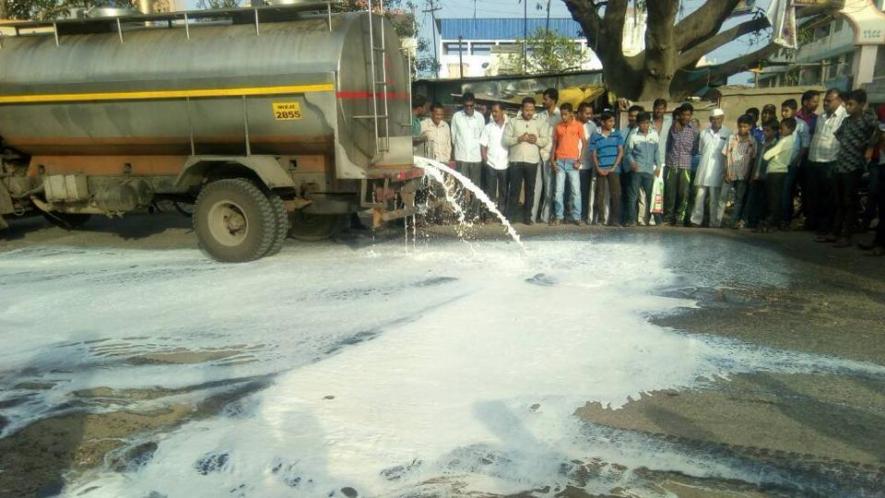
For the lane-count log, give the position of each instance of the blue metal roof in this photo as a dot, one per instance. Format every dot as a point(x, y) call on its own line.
point(509, 28)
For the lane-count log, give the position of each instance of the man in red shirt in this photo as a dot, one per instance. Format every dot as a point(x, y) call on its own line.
point(569, 142)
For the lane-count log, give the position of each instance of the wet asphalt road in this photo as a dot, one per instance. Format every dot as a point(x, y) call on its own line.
point(826, 430)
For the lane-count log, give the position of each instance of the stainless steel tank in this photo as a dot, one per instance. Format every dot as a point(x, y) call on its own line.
point(274, 86)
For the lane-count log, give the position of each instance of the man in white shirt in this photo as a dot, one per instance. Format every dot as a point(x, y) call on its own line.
point(467, 126)
point(661, 121)
point(438, 134)
point(821, 156)
point(585, 115)
point(495, 156)
point(543, 201)
point(708, 180)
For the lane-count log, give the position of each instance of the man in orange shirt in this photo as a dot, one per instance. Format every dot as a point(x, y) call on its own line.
point(569, 142)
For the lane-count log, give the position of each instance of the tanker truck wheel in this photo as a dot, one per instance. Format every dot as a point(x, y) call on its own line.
point(68, 221)
point(315, 227)
point(234, 221)
point(282, 224)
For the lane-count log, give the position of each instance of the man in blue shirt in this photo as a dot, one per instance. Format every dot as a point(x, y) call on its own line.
point(607, 151)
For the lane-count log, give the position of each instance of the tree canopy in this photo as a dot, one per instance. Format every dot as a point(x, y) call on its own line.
point(547, 52)
point(674, 45)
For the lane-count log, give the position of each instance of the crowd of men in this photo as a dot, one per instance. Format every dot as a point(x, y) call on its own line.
point(562, 164)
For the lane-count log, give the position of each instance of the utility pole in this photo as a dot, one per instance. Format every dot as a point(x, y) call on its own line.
point(461, 56)
point(432, 8)
point(525, 36)
point(547, 27)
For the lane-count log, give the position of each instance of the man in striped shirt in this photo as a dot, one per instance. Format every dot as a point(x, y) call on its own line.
point(607, 149)
point(682, 145)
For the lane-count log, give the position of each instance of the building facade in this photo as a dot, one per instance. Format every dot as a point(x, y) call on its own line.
point(840, 51)
point(478, 47)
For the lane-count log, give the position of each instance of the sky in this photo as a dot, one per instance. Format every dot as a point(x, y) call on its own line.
point(514, 8)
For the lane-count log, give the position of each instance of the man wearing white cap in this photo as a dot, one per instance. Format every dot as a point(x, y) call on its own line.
point(708, 180)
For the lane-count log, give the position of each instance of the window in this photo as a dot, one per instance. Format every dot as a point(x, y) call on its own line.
point(840, 23)
point(455, 70)
point(454, 48)
point(481, 48)
point(843, 65)
point(879, 71)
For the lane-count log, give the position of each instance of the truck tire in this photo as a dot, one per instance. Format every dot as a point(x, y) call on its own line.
point(68, 221)
point(234, 221)
point(315, 227)
point(282, 224)
point(183, 208)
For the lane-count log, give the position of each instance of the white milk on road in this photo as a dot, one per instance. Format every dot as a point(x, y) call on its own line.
point(392, 372)
point(435, 170)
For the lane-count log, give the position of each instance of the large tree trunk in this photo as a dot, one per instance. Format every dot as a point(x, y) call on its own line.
point(668, 65)
point(660, 53)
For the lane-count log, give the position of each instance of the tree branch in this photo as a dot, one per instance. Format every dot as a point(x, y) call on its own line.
point(693, 80)
point(614, 20)
point(691, 56)
point(703, 22)
point(587, 15)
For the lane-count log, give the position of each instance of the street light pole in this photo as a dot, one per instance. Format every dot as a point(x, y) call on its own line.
point(432, 8)
point(461, 55)
point(525, 35)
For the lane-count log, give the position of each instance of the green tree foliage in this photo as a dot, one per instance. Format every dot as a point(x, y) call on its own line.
point(51, 9)
point(218, 4)
point(400, 13)
point(547, 52)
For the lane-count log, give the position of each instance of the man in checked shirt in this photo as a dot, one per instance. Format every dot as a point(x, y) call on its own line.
point(858, 136)
point(682, 145)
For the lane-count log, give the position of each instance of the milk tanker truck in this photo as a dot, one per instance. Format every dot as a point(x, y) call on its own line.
point(270, 121)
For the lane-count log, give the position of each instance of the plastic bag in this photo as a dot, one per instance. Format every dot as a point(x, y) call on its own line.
point(657, 196)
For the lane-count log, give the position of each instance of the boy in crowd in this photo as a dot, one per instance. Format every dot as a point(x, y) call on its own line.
point(524, 135)
point(642, 160)
point(779, 158)
point(467, 126)
point(769, 113)
point(438, 135)
point(569, 142)
point(607, 149)
point(789, 110)
point(756, 210)
point(585, 115)
point(740, 155)
point(857, 136)
point(495, 157)
point(755, 129)
point(708, 180)
point(682, 145)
